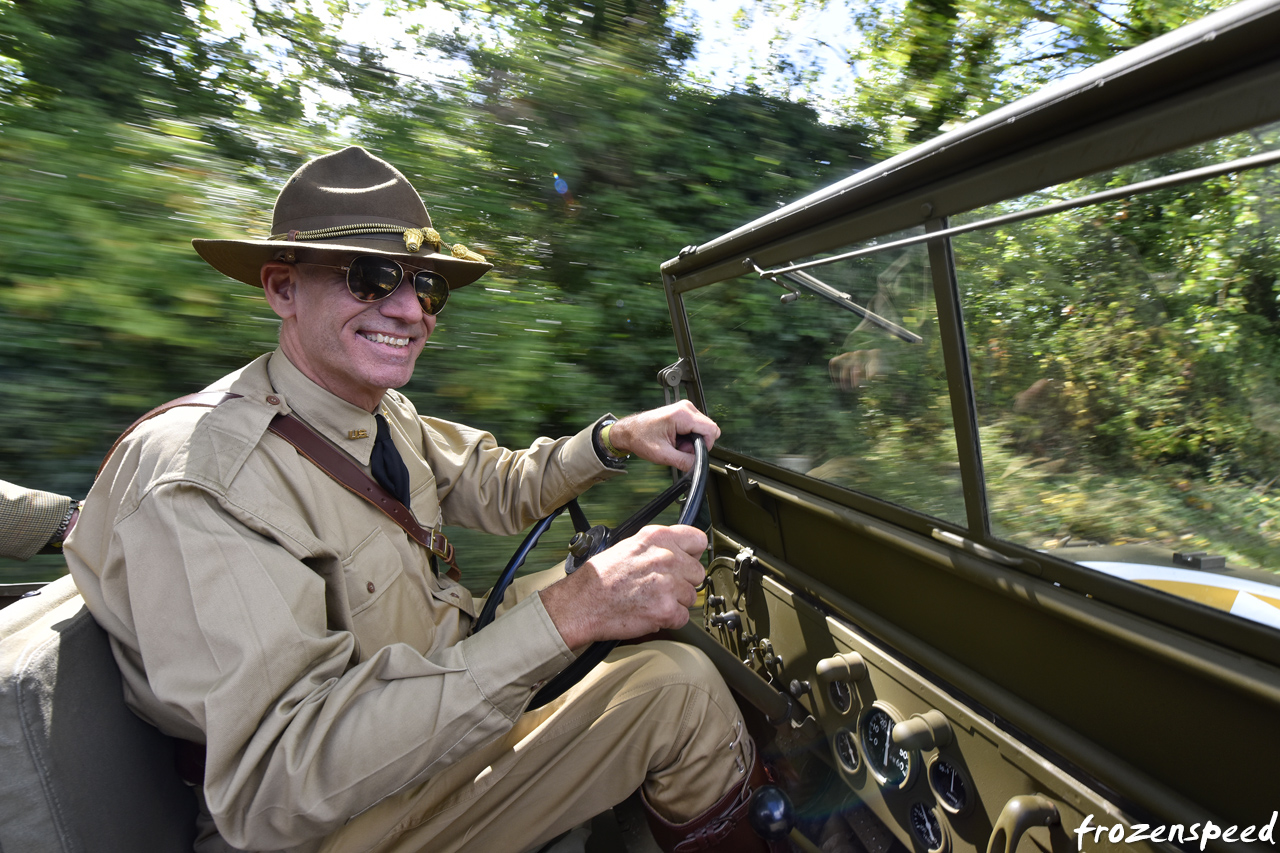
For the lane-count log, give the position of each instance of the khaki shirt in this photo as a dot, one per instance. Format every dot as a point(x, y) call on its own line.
point(257, 606)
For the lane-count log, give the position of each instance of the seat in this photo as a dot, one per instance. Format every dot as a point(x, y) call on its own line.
point(80, 772)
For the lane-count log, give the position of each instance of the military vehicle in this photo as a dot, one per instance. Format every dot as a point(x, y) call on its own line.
point(968, 599)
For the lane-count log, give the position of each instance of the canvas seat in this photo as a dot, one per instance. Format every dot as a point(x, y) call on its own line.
point(81, 773)
point(78, 770)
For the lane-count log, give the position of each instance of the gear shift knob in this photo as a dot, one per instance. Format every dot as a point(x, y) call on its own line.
point(771, 814)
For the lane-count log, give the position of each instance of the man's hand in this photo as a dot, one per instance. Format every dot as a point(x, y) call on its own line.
point(652, 435)
point(643, 584)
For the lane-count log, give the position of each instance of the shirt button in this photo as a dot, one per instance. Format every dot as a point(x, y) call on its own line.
point(369, 586)
point(273, 400)
point(453, 595)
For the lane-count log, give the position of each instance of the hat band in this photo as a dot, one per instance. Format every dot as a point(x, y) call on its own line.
point(413, 237)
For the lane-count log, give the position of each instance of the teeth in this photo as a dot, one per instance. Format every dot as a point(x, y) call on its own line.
point(380, 338)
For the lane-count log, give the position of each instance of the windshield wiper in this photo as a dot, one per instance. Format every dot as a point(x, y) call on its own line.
point(817, 287)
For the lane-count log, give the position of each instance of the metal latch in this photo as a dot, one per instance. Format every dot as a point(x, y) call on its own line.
point(671, 376)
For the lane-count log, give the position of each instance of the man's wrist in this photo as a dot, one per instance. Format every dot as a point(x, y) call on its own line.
point(54, 545)
point(609, 455)
point(572, 622)
point(606, 429)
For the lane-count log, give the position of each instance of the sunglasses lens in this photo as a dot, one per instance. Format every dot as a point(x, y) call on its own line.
point(433, 290)
point(370, 279)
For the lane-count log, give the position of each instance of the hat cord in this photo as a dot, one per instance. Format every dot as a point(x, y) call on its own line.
point(413, 237)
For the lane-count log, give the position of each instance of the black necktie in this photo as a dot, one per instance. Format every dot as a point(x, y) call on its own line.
point(388, 468)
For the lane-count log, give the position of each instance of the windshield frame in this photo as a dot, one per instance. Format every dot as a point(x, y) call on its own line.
point(1177, 91)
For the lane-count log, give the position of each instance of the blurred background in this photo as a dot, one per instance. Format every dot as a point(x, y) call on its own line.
point(576, 144)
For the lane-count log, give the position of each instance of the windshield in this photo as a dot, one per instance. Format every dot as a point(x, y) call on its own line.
point(855, 398)
point(1124, 358)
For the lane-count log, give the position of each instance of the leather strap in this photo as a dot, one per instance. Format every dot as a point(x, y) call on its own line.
point(208, 399)
point(329, 460)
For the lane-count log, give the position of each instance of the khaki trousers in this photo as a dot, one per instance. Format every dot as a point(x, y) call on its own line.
point(656, 715)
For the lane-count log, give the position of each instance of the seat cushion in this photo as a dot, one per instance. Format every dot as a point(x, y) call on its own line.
point(78, 770)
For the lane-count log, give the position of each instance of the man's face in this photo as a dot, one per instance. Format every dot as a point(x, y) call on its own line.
point(355, 350)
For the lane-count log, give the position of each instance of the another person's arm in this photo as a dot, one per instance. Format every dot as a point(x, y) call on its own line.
point(31, 520)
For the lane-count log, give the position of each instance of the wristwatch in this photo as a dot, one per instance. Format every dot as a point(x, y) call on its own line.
point(64, 529)
point(608, 454)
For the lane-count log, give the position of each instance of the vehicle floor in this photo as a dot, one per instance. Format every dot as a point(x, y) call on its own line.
point(622, 829)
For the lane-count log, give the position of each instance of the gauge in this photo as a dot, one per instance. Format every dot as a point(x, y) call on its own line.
point(891, 764)
point(927, 829)
point(841, 696)
point(950, 785)
point(846, 751)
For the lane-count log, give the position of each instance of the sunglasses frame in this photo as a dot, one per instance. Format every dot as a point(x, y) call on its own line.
point(403, 268)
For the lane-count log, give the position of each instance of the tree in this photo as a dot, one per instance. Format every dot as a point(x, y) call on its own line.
point(570, 156)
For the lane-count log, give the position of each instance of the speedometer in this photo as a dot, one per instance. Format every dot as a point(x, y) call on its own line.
point(892, 765)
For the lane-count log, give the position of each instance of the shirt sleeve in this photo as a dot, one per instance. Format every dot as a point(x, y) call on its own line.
point(231, 621)
point(28, 519)
point(488, 487)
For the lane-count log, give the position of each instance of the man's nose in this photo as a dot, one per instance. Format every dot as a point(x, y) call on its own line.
point(403, 303)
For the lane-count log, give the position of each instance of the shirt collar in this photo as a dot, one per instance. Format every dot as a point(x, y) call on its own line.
point(344, 424)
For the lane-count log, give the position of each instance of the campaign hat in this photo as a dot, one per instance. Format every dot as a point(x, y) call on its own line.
point(346, 203)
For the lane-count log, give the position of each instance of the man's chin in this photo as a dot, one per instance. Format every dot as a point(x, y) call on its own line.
point(393, 375)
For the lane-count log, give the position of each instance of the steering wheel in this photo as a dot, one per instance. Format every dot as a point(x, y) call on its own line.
point(589, 541)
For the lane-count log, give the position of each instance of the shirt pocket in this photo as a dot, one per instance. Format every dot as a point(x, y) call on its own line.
point(370, 571)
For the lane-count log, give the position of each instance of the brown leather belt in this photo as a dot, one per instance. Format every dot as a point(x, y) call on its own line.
point(348, 474)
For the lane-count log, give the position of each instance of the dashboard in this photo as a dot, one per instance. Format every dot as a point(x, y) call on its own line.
point(936, 771)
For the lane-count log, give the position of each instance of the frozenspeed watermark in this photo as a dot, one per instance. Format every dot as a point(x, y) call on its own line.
point(1175, 833)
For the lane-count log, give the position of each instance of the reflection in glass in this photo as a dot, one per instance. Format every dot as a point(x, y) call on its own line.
point(811, 387)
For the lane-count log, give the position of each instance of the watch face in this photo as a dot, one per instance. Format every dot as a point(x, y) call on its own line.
point(891, 764)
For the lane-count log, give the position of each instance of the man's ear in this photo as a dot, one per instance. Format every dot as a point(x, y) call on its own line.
point(280, 285)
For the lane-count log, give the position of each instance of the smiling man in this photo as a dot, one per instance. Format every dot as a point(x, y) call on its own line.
point(318, 670)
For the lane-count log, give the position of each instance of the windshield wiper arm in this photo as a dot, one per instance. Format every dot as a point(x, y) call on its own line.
point(817, 287)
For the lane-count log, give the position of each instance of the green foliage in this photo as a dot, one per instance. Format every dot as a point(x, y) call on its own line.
point(926, 66)
point(1154, 312)
point(1125, 358)
point(105, 311)
point(101, 52)
point(1175, 507)
point(647, 167)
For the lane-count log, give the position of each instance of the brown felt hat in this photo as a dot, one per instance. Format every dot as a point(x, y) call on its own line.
point(348, 202)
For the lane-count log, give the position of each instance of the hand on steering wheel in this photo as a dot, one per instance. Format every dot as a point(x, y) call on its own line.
point(587, 542)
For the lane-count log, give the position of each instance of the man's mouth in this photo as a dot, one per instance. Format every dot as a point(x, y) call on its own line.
point(389, 340)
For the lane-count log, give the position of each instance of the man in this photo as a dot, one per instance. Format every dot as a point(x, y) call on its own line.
point(260, 609)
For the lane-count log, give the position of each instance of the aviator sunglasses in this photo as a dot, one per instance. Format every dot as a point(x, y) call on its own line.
point(370, 279)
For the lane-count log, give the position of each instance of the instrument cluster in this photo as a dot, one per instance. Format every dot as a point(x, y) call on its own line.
point(938, 773)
